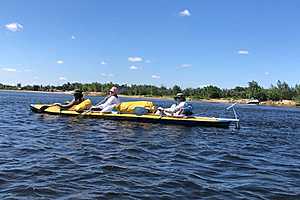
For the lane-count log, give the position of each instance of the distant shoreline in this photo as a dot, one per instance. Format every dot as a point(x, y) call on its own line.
point(285, 103)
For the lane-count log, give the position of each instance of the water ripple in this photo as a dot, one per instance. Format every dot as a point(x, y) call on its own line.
point(55, 157)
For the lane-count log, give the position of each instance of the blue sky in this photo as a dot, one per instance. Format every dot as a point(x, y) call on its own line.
point(162, 42)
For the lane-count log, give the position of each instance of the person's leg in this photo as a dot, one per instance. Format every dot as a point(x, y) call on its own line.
point(107, 109)
point(158, 112)
point(96, 109)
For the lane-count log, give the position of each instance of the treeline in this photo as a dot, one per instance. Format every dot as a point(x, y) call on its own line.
point(279, 91)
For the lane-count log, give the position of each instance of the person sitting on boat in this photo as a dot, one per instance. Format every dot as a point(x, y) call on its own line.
point(78, 98)
point(180, 109)
point(109, 102)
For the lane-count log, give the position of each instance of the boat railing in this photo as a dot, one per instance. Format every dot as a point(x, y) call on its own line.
point(236, 116)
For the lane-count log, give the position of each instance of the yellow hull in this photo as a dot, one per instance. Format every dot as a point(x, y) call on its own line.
point(148, 118)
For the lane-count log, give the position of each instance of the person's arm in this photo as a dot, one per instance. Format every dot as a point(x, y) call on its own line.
point(111, 100)
point(174, 108)
point(103, 101)
point(66, 106)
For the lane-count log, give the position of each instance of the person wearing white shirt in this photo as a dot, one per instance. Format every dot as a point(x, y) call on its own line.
point(107, 105)
point(181, 108)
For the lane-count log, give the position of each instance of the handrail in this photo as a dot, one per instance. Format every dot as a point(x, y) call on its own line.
point(237, 125)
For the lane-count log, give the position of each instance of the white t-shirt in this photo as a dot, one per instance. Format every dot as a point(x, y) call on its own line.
point(175, 108)
point(108, 105)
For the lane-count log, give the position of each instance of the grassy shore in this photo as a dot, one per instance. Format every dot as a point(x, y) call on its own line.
point(288, 103)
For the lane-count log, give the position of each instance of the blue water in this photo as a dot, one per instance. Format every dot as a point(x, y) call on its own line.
point(54, 157)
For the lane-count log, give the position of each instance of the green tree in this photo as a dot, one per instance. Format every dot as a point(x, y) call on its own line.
point(176, 89)
point(284, 90)
point(211, 92)
point(281, 91)
point(297, 90)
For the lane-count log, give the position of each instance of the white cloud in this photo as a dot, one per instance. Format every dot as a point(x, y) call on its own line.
point(63, 78)
point(185, 65)
point(107, 75)
point(133, 67)
point(243, 52)
point(8, 69)
point(14, 27)
point(135, 59)
point(185, 13)
point(103, 63)
point(73, 37)
point(27, 70)
point(155, 76)
point(148, 61)
point(60, 62)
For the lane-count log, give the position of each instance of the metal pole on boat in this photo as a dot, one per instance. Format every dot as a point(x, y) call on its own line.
point(237, 124)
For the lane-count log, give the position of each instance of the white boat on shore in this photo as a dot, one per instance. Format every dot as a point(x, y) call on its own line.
point(253, 101)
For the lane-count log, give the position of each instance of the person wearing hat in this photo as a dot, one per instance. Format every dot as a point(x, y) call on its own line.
point(109, 102)
point(180, 108)
point(78, 98)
